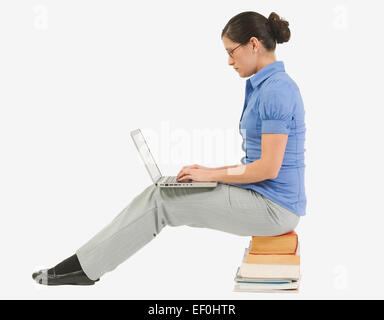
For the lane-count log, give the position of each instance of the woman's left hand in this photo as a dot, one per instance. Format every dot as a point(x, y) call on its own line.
point(201, 175)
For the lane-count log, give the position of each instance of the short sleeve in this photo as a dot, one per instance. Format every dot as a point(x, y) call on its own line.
point(276, 108)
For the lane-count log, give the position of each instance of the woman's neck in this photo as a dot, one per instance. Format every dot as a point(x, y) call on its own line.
point(266, 60)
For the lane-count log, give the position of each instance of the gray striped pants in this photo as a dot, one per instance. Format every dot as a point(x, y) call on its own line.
point(226, 208)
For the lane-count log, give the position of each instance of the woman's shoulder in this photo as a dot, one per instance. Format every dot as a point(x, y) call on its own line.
point(279, 81)
point(279, 85)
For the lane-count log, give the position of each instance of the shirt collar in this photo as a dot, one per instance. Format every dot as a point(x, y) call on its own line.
point(266, 72)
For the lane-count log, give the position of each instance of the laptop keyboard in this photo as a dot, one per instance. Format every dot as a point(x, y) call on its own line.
point(173, 179)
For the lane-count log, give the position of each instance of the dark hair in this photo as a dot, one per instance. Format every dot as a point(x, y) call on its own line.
point(252, 24)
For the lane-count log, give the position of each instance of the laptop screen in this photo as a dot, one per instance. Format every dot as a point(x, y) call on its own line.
point(146, 155)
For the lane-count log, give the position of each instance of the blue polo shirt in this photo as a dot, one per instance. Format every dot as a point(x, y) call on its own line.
point(273, 104)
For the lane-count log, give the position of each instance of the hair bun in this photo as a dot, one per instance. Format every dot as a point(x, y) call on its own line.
point(279, 28)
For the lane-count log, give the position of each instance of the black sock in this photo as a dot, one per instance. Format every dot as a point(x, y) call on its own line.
point(70, 264)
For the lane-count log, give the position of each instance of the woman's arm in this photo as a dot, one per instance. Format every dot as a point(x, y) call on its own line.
point(267, 167)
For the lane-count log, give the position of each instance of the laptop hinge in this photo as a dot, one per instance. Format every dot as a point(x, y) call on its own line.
point(158, 180)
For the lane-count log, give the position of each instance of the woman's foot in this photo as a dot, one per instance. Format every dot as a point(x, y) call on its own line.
point(67, 272)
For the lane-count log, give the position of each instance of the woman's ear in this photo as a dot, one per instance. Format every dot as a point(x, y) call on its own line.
point(255, 44)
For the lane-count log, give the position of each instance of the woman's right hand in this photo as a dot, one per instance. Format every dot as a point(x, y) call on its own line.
point(194, 166)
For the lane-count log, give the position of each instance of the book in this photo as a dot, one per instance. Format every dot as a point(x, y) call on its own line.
point(283, 244)
point(273, 258)
point(268, 271)
point(266, 289)
point(262, 285)
point(266, 286)
point(239, 280)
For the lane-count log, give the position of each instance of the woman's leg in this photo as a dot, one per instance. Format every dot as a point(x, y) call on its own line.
point(227, 208)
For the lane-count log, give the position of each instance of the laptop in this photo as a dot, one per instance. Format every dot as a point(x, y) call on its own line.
point(153, 169)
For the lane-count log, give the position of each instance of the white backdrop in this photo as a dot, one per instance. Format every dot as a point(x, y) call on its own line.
point(77, 76)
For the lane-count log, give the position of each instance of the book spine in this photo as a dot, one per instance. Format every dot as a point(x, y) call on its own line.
point(254, 247)
point(269, 271)
point(273, 259)
point(275, 252)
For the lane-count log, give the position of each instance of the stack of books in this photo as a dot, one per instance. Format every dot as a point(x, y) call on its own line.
point(270, 264)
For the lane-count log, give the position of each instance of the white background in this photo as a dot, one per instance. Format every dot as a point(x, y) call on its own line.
point(77, 76)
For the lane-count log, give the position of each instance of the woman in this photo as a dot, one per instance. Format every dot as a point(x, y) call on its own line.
point(263, 196)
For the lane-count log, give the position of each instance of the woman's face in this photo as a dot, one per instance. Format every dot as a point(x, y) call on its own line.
point(244, 58)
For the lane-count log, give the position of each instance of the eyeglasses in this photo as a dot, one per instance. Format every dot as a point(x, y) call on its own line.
point(231, 52)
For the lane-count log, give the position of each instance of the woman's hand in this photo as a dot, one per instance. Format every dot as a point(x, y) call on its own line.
point(196, 173)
